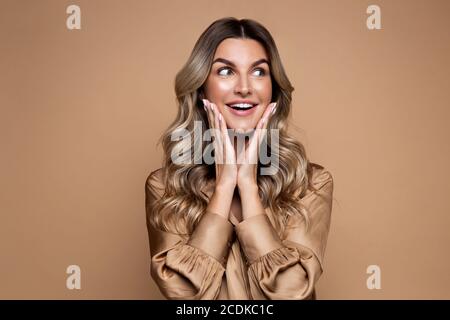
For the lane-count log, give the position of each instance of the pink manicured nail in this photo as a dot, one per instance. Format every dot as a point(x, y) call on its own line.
point(220, 117)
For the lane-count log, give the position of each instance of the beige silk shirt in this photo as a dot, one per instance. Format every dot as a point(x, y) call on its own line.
point(226, 259)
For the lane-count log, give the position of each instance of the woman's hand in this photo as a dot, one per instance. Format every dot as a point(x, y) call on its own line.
point(225, 158)
point(248, 158)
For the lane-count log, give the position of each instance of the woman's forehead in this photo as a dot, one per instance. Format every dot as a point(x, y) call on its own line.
point(240, 50)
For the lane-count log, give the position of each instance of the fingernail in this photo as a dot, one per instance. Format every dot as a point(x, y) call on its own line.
point(205, 105)
point(220, 117)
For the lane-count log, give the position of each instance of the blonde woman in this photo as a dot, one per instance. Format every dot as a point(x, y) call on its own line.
point(224, 230)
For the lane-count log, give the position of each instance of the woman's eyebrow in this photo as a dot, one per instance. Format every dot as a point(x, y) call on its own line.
point(228, 62)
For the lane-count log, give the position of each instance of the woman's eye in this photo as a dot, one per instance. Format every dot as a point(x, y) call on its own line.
point(224, 71)
point(220, 72)
point(261, 70)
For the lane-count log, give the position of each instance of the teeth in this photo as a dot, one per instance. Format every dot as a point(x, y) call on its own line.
point(241, 105)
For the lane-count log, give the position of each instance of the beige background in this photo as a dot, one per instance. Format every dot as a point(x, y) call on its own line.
point(81, 112)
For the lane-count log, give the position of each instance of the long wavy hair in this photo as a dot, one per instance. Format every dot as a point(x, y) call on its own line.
point(183, 204)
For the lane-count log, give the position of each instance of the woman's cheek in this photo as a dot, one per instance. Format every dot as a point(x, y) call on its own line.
point(224, 87)
point(264, 89)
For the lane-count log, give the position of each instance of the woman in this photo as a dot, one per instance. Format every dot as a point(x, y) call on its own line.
point(224, 230)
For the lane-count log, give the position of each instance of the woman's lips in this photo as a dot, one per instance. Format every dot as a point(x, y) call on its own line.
point(242, 113)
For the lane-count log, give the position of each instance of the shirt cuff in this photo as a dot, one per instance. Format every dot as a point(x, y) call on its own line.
point(213, 236)
point(257, 237)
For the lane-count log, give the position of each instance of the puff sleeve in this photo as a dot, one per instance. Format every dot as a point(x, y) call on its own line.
point(187, 267)
point(289, 268)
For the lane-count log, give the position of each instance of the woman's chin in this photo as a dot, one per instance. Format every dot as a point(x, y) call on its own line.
point(241, 127)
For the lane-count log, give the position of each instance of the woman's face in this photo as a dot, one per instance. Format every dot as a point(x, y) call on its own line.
point(240, 75)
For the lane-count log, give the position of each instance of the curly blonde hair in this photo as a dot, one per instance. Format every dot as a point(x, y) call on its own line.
point(182, 203)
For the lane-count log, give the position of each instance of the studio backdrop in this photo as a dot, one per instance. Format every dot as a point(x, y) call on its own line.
point(87, 88)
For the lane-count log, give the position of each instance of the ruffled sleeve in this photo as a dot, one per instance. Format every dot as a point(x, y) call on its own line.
point(289, 268)
point(188, 267)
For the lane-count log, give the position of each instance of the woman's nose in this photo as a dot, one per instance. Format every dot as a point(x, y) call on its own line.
point(243, 86)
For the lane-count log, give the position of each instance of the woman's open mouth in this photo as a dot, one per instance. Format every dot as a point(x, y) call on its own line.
point(242, 109)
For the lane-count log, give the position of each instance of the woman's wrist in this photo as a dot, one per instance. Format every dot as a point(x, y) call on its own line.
point(226, 187)
point(220, 202)
point(251, 202)
point(248, 188)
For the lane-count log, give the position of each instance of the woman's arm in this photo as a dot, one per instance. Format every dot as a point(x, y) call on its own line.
point(189, 267)
point(286, 268)
point(214, 231)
